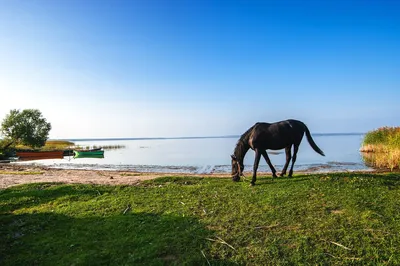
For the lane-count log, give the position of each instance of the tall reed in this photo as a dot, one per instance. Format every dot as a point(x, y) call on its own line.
point(381, 148)
point(50, 145)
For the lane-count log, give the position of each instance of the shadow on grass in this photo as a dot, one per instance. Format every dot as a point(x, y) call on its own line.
point(133, 238)
point(130, 239)
point(268, 180)
point(390, 179)
point(41, 193)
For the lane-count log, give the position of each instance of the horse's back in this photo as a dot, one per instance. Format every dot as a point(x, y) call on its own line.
point(280, 127)
point(296, 123)
point(276, 135)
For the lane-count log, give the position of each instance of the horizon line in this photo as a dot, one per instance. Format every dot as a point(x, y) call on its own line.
point(193, 137)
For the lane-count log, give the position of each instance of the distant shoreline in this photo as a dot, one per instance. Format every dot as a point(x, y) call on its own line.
point(195, 137)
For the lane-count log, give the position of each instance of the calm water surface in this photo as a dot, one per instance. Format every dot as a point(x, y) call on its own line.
point(207, 155)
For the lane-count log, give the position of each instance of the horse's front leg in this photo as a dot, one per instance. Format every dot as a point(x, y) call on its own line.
point(255, 166)
point(295, 149)
point(265, 155)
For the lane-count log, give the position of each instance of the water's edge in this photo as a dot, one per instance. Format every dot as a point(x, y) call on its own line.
point(209, 169)
point(207, 155)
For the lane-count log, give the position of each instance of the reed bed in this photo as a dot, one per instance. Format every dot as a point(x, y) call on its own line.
point(104, 147)
point(381, 148)
point(51, 145)
point(110, 147)
point(57, 145)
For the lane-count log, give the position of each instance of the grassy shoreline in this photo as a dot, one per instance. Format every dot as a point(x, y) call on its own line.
point(53, 145)
point(333, 219)
point(381, 148)
point(66, 145)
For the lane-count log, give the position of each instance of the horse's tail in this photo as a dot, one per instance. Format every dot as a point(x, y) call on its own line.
point(312, 143)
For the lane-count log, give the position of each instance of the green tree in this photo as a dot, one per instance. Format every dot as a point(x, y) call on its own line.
point(26, 127)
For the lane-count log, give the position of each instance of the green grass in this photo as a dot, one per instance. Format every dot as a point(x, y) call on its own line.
point(21, 173)
point(321, 219)
point(381, 148)
point(133, 174)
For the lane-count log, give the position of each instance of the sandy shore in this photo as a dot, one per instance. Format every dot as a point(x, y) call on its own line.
point(16, 174)
point(12, 174)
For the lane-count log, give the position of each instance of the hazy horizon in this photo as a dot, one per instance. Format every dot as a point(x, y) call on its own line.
point(197, 137)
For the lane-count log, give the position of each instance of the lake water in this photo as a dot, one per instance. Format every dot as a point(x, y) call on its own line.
point(211, 155)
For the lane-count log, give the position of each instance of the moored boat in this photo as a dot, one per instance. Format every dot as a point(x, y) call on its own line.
point(38, 155)
point(88, 154)
point(70, 152)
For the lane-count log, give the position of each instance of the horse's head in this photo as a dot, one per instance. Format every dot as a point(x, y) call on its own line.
point(237, 168)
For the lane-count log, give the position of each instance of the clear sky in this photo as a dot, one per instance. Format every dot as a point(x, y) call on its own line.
point(159, 68)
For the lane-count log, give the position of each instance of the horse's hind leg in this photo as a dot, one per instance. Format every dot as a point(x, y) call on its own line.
point(265, 155)
point(255, 166)
point(295, 150)
point(288, 157)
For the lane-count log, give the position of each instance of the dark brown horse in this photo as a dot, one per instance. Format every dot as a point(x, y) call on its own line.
point(275, 136)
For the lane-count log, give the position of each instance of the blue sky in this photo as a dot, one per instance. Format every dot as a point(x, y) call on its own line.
point(200, 68)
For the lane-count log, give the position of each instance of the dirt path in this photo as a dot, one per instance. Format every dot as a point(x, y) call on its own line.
point(14, 174)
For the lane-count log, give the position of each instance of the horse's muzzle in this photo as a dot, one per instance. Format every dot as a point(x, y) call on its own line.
point(236, 178)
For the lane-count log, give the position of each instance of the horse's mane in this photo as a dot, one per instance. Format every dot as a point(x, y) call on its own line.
point(242, 145)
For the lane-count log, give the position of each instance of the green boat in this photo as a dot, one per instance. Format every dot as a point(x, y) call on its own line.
point(89, 154)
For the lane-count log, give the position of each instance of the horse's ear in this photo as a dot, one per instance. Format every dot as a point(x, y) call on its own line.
point(233, 157)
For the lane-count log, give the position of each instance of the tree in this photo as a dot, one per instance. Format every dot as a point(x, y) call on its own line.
point(27, 127)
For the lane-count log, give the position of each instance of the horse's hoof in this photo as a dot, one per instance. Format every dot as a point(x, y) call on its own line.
point(252, 184)
point(235, 179)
